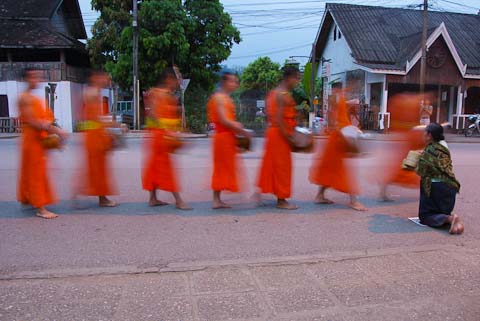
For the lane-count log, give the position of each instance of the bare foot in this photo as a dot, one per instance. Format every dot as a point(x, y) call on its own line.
point(322, 200)
point(459, 227)
point(453, 224)
point(384, 197)
point(183, 206)
point(357, 206)
point(107, 203)
point(153, 203)
point(257, 199)
point(46, 214)
point(220, 205)
point(285, 205)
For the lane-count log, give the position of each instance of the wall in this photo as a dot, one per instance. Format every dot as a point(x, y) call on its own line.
point(12, 89)
point(68, 100)
point(340, 56)
point(63, 112)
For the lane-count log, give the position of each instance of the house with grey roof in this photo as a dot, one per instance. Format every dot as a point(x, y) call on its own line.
point(376, 51)
point(46, 35)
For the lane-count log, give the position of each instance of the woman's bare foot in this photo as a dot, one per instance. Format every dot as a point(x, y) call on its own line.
point(357, 206)
point(103, 201)
point(459, 227)
point(454, 224)
point(285, 205)
point(220, 205)
point(43, 213)
point(156, 202)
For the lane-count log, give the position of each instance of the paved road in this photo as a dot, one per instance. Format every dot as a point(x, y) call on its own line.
point(134, 238)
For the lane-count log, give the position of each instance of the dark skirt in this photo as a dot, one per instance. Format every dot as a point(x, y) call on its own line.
point(435, 209)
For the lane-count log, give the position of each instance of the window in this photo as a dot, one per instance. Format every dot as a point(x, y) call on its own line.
point(4, 106)
point(335, 33)
point(339, 35)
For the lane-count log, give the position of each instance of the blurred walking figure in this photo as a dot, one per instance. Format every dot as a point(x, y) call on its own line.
point(438, 183)
point(275, 174)
point(410, 137)
point(329, 169)
point(98, 144)
point(426, 111)
point(226, 165)
point(37, 123)
point(164, 121)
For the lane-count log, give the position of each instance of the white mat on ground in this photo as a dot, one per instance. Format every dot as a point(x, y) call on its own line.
point(416, 220)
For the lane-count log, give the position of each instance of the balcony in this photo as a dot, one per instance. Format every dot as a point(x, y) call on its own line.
point(52, 71)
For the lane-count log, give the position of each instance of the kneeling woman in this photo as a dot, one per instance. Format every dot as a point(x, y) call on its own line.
point(438, 183)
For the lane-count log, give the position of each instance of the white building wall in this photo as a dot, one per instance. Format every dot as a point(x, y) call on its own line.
point(12, 89)
point(63, 103)
point(76, 101)
point(340, 56)
point(68, 100)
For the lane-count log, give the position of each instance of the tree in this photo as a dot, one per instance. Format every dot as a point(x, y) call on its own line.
point(195, 35)
point(262, 74)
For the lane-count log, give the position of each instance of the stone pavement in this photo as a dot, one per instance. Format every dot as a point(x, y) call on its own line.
point(422, 283)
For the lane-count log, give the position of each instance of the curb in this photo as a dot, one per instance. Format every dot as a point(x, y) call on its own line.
point(213, 264)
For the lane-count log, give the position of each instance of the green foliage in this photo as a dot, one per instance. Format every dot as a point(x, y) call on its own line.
point(195, 35)
point(262, 74)
point(307, 75)
point(300, 94)
point(196, 99)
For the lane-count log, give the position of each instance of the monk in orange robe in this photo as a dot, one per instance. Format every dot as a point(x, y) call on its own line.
point(221, 112)
point(404, 118)
point(97, 180)
point(329, 169)
point(37, 122)
point(276, 170)
point(163, 122)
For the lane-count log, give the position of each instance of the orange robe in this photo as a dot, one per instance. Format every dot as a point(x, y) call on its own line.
point(225, 163)
point(329, 168)
point(34, 187)
point(275, 175)
point(395, 174)
point(97, 180)
point(158, 171)
point(404, 114)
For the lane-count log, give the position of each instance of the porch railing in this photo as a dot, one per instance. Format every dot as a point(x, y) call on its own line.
point(9, 125)
point(460, 121)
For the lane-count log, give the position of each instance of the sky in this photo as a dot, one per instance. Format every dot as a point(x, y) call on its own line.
point(283, 28)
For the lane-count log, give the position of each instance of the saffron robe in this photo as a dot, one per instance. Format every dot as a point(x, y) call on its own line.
point(275, 174)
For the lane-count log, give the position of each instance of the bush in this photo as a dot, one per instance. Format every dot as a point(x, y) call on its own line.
point(195, 108)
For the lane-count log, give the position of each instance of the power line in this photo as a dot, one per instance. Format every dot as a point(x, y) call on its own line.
point(461, 5)
point(272, 52)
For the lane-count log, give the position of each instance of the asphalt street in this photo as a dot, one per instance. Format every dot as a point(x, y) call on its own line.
point(134, 238)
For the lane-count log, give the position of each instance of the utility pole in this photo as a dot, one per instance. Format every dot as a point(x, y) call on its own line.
point(312, 80)
point(136, 102)
point(423, 61)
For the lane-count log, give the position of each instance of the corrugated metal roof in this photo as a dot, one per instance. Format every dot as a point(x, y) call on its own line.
point(391, 36)
point(27, 8)
point(34, 34)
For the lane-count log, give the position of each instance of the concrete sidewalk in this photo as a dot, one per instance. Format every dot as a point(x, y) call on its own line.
point(423, 283)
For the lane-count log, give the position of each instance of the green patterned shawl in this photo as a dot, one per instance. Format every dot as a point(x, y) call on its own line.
point(436, 163)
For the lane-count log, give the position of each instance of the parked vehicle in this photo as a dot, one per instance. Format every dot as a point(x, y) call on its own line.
point(127, 118)
point(474, 126)
point(210, 129)
point(318, 125)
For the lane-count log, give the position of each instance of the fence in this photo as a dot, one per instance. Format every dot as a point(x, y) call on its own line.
point(9, 125)
point(460, 121)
